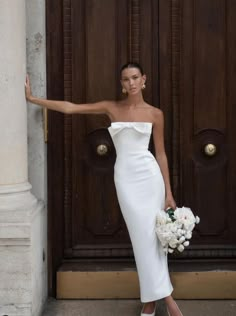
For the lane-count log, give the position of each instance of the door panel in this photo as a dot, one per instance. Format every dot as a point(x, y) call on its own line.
point(97, 227)
point(206, 79)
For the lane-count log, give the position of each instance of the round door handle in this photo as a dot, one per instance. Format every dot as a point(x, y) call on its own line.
point(102, 149)
point(210, 149)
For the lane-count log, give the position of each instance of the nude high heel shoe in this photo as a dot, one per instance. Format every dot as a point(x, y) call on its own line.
point(153, 314)
point(178, 310)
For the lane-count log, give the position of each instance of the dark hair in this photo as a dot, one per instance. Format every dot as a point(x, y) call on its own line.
point(132, 65)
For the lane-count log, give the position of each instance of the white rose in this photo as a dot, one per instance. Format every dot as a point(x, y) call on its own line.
point(174, 229)
point(179, 232)
point(173, 243)
point(189, 226)
point(162, 218)
point(186, 243)
point(197, 220)
point(182, 239)
point(185, 216)
point(180, 248)
point(188, 235)
point(170, 250)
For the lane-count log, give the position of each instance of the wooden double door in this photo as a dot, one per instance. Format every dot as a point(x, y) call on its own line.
point(188, 51)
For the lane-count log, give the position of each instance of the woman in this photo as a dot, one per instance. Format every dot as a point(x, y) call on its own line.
point(142, 181)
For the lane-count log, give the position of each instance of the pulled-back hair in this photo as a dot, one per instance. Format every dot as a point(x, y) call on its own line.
point(132, 65)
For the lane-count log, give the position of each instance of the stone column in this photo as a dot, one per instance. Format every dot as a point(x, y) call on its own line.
point(19, 209)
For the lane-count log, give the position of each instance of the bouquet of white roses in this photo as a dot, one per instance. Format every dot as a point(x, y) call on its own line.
point(174, 228)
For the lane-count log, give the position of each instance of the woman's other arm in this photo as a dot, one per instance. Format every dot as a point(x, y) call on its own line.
point(158, 136)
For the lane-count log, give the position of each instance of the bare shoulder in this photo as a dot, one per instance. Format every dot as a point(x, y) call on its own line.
point(111, 107)
point(106, 105)
point(120, 102)
point(157, 115)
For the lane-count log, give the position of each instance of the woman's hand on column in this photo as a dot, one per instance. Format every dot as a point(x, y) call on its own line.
point(28, 94)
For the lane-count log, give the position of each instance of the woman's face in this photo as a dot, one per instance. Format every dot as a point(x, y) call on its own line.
point(132, 80)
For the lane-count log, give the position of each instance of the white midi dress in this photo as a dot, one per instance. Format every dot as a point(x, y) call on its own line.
point(141, 193)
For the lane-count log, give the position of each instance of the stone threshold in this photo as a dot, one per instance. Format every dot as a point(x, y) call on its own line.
point(113, 282)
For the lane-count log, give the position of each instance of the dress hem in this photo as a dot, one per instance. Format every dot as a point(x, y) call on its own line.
point(155, 298)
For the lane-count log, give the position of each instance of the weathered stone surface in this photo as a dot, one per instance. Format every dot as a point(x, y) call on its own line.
point(133, 308)
point(36, 68)
point(13, 136)
point(15, 310)
point(22, 264)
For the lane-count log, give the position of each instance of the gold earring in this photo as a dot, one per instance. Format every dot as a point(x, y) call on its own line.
point(124, 91)
point(143, 86)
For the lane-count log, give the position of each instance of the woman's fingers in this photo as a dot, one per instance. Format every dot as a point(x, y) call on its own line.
point(27, 80)
point(27, 87)
point(170, 203)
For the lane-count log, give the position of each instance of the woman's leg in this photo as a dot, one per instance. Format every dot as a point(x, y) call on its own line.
point(149, 307)
point(172, 307)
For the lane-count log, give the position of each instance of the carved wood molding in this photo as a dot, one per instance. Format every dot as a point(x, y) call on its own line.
point(175, 83)
point(204, 252)
point(134, 30)
point(67, 36)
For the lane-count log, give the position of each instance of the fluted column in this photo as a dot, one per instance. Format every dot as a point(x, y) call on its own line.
point(13, 115)
point(21, 259)
point(13, 136)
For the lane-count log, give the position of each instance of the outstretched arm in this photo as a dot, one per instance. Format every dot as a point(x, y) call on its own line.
point(68, 107)
point(158, 136)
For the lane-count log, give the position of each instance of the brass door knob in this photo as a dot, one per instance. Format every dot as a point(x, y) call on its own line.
point(102, 149)
point(210, 149)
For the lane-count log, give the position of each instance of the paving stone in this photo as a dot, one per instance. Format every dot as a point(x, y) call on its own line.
point(133, 308)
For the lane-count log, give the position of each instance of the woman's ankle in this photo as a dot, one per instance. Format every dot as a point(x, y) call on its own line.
point(169, 299)
point(149, 307)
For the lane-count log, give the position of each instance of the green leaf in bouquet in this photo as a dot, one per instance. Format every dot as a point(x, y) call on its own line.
point(171, 214)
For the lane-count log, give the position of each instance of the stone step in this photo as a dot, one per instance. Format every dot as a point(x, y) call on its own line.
point(97, 283)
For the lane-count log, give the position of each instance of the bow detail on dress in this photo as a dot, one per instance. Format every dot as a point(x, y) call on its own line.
point(141, 127)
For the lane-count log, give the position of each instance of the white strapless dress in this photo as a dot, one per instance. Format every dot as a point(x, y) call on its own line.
point(141, 193)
